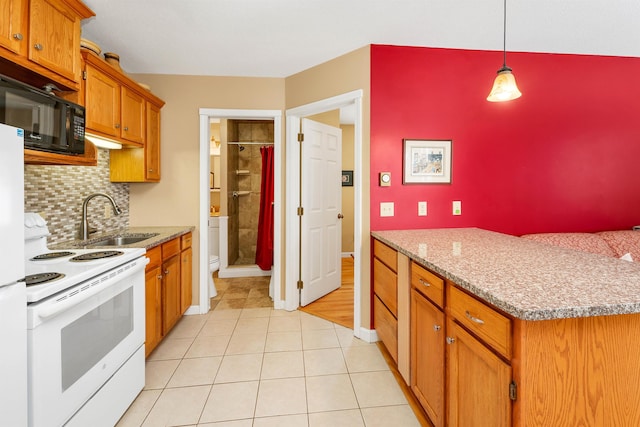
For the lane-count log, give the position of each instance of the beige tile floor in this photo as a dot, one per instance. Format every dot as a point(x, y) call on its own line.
point(242, 367)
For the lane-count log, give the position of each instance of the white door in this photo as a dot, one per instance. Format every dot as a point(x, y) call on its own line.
point(321, 232)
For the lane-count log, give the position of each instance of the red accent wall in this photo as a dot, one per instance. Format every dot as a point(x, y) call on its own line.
point(563, 157)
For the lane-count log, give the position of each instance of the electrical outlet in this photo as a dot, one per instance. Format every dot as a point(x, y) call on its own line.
point(422, 208)
point(386, 209)
point(457, 207)
point(107, 211)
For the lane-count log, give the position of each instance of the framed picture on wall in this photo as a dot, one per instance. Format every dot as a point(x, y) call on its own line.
point(347, 178)
point(426, 161)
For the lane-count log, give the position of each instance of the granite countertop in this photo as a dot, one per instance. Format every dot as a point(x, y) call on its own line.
point(162, 234)
point(527, 279)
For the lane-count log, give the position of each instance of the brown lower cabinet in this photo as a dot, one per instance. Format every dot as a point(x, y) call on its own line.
point(427, 356)
point(168, 275)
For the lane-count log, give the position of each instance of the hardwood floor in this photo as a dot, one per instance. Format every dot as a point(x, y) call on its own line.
point(337, 306)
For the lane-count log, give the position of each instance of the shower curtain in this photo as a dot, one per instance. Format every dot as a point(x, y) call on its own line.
point(264, 247)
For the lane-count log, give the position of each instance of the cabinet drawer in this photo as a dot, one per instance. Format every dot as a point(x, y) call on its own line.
point(482, 320)
point(185, 241)
point(427, 284)
point(170, 248)
point(385, 254)
point(385, 286)
point(155, 257)
point(386, 327)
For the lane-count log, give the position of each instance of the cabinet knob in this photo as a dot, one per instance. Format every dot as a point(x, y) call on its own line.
point(126, 128)
point(437, 327)
point(473, 318)
point(166, 272)
point(117, 125)
point(424, 282)
point(159, 276)
point(38, 46)
point(17, 36)
point(450, 340)
point(150, 170)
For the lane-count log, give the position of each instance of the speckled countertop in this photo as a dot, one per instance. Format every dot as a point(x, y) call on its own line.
point(527, 279)
point(161, 235)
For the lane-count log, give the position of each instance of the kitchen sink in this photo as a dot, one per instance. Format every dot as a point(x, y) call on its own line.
point(126, 239)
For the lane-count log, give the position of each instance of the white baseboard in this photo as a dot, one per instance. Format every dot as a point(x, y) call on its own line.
point(368, 335)
point(194, 309)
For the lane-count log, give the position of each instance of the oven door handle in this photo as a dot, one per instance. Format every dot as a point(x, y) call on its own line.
point(46, 312)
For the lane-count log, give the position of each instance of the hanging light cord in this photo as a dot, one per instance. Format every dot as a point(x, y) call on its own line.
point(504, 38)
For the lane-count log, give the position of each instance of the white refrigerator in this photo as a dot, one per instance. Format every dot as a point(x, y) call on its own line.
point(13, 299)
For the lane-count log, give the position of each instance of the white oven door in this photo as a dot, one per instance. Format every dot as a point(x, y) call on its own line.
point(80, 340)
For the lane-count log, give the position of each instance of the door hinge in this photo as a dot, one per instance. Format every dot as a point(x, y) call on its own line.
point(300, 137)
point(513, 391)
point(300, 211)
point(84, 75)
point(300, 284)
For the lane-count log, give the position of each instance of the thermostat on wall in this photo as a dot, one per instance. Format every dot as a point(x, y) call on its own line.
point(385, 179)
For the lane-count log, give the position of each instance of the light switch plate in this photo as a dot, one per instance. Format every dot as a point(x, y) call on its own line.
point(386, 209)
point(384, 179)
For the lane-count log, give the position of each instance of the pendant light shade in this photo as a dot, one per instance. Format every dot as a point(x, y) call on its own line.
point(504, 86)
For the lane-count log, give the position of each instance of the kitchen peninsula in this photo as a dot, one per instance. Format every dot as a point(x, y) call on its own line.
point(509, 331)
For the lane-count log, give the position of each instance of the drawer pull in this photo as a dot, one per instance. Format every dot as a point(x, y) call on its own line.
point(450, 340)
point(437, 327)
point(473, 318)
point(427, 284)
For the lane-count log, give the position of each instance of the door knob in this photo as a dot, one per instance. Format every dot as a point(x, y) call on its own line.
point(340, 216)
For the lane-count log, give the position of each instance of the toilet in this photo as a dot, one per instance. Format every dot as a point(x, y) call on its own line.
point(214, 251)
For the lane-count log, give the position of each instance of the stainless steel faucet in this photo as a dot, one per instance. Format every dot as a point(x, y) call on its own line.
point(85, 230)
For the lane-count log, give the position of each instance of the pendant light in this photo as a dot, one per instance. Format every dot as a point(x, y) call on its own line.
point(504, 86)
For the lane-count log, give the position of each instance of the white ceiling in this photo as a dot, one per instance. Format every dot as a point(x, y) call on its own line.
point(278, 38)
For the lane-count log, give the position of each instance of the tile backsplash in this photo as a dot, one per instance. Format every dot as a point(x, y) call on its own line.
point(57, 193)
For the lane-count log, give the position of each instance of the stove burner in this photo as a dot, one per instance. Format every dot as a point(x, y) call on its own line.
point(95, 255)
point(51, 255)
point(37, 279)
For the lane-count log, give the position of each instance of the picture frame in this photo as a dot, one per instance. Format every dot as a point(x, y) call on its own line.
point(426, 161)
point(347, 178)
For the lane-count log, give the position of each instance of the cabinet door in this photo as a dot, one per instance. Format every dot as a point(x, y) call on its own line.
point(102, 101)
point(152, 144)
point(132, 116)
point(170, 293)
point(54, 37)
point(153, 308)
point(427, 356)
point(477, 382)
point(13, 34)
point(186, 281)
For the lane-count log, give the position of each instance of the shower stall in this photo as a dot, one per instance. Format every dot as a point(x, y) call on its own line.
point(242, 143)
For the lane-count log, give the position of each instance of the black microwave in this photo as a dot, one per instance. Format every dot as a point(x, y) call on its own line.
point(50, 123)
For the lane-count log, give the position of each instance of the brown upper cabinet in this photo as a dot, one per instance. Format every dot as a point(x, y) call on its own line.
point(118, 108)
point(115, 108)
point(40, 40)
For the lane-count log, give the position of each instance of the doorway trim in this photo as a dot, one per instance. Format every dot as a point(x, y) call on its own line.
point(293, 118)
point(205, 134)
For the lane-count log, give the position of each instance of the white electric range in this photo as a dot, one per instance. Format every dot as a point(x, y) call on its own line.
point(85, 330)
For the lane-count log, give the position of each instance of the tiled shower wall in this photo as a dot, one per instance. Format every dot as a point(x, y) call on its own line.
point(57, 193)
point(246, 208)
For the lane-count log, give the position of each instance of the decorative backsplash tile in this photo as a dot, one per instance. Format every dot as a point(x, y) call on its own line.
point(57, 193)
